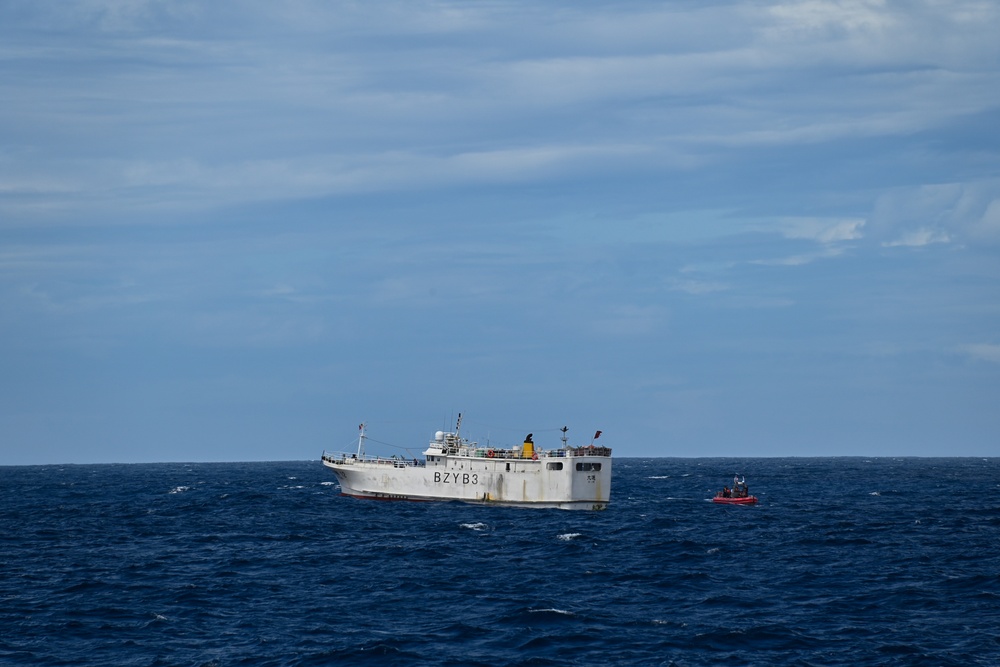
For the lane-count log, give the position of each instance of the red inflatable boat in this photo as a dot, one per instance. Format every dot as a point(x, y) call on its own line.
point(749, 500)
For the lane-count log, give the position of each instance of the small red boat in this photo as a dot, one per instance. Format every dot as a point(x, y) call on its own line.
point(738, 495)
point(749, 500)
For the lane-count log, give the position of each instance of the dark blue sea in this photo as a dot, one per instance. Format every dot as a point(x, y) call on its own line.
point(845, 561)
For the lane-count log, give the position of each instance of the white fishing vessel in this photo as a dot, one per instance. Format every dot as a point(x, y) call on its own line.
point(457, 469)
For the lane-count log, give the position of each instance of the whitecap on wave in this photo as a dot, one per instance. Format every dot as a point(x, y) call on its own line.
point(327, 483)
point(659, 477)
point(180, 489)
point(874, 493)
point(569, 536)
point(475, 526)
point(551, 610)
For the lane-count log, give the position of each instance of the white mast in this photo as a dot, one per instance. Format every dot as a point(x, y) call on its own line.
point(361, 441)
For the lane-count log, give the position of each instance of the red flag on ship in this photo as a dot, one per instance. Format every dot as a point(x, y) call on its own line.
point(597, 435)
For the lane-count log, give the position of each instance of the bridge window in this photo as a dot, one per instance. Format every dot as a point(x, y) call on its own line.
point(554, 465)
point(588, 466)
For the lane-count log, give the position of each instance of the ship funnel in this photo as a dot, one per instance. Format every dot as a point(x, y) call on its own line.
point(528, 450)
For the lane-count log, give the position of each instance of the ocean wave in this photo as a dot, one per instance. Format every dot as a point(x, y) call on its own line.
point(479, 526)
point(551, 611)
point(102, 567)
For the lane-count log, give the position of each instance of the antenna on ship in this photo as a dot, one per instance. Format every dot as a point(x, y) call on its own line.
point(361, 440)
point(563, 438)
point(458, 427)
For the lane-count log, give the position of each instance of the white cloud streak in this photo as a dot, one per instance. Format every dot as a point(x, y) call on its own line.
point(940, 213)
point(158, 97)
point(982, 351)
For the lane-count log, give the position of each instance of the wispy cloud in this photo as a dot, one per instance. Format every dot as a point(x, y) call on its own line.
point(800, 259)
point(982, 351)
point(822, 230)
point(938, 213)
point(918, 238)
point(628, 321)
point(227, 119)
point(698, 287)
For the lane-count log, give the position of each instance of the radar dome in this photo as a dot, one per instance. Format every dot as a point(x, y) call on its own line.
point(439, 436)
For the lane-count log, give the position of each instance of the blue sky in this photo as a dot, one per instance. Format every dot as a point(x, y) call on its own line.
point(233, 231)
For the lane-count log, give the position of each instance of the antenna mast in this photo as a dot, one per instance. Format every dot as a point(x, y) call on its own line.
point(361, 441)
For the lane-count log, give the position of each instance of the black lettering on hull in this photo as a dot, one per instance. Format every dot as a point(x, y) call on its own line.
point(454, 478)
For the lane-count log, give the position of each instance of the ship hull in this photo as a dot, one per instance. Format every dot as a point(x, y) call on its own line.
point(748, 500)
point(562, 482)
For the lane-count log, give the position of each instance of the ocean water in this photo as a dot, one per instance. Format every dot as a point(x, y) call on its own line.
point(845, 561)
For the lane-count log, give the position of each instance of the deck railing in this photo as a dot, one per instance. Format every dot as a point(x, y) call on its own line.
point(345, 458)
